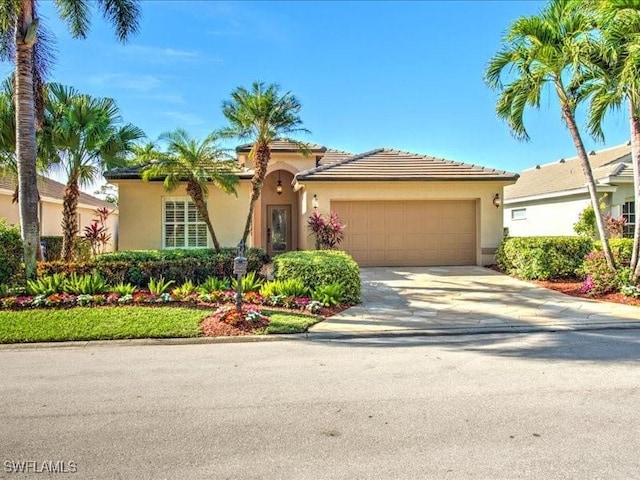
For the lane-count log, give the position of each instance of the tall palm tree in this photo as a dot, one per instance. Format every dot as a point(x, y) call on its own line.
point(261, 115)
point(23, 40)
point(197, 163)
point(547, 49)
point(613, 79)
point(85, 138)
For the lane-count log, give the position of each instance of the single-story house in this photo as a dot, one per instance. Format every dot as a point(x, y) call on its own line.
point(50, 208)
point(400, 208)
point(548, 199)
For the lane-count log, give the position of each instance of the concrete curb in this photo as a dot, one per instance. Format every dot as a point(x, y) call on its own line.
point(134, 342)
point(443, 332)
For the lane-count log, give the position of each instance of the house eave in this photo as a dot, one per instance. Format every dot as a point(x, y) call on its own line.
point(319, 178)
point(560, 194)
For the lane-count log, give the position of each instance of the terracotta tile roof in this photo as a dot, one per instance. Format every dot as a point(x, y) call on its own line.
point(49, 188)
point(566, 174)
point(388, 164)
point(135, 172)
point(283, 146)
point(332, 156)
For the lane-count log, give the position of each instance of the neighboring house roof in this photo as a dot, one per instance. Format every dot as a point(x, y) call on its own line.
point(51, 189)
point(280, 145)
point(389, 164)
point(567, 175)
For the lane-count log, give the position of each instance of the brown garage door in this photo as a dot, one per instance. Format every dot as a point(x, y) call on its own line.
point(409, 233)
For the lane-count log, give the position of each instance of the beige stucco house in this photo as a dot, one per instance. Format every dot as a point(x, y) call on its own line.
point(50, 208)
point(548, 199)
point(400, 208)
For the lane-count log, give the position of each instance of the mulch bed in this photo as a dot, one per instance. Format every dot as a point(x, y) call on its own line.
point(212, 327)
point(572, 287)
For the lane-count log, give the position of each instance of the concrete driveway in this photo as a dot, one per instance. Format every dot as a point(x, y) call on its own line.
point(466, 300)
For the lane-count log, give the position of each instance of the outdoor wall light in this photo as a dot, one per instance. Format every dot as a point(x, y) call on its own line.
point(314, 203)
point(496, 200)
point(279, 185)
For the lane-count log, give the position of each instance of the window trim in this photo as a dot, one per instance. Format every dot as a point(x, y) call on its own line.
point(514, 210)
point(188, 200)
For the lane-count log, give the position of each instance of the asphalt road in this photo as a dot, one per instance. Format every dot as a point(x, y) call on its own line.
point(552, 405)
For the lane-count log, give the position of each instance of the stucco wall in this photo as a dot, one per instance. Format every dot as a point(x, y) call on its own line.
point(489, 229)
point(141, 213)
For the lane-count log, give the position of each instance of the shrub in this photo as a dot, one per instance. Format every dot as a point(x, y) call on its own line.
point(10, 252)
point(600, 279)
point(620, 248)
point(320, 267)
point(138, 267)
point(586, 224)
point(542, 257)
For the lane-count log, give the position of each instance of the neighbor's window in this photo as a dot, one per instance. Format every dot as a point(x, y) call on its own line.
point(183, 225)
point(629, 214)
point(519, 214)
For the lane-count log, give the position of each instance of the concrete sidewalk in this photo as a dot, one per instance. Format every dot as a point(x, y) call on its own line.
point(462, 300)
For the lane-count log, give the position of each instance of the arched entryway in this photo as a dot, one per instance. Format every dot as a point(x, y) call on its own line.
point(278, 219)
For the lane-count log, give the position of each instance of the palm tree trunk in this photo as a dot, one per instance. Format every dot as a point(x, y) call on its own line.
point(69, 218)
point(26, 141)
point(635, 162)
point(195, 192)
point(569, 118)
point(262, 154)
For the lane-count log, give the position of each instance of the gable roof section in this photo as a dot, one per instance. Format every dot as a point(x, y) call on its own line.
point(567, 175)
point(51, 189)
point(387, 164)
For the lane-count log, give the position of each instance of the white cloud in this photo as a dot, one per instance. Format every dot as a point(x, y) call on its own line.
point(127, 81)
point(184, 118)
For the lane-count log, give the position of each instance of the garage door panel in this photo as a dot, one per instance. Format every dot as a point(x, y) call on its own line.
point(405, 233)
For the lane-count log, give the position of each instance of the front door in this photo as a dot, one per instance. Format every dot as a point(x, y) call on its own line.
point(278, 229)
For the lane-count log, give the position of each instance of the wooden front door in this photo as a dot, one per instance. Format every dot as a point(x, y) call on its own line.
point(278, 229)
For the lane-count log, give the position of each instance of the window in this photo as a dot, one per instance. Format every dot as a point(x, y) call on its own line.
point(519, 214)
point(183, 225)
point(629, 214)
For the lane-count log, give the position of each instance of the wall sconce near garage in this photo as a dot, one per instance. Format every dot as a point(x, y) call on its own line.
point(314, 203)
point(496, 200)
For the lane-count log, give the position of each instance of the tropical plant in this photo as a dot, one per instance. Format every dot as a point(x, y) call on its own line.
point(548, 49)
point(123, 289)
point(260, 115)
point(291, 287)
point(329, 294)
point(158, 286)
point(251, 282)
point(90, 284)
point(613, 79)
point(46, 285)
point(329, 232)
point(183, 291)
point(85, 136)
point(195, 162)
point(213, 285)
point(24, 40)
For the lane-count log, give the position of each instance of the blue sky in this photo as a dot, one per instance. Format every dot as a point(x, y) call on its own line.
point(405, 75)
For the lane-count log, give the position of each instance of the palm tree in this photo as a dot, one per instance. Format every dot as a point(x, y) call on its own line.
point(548, 49)
point(85, 137)
point(261, 115)
point(197, 163)
point(613, 79)
point(23, 40)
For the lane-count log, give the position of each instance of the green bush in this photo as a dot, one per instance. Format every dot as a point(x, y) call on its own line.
point(600, 279)
point(620, 248)
point(320, 267)
point(329, 295)
point(10, 252)
point(138, 267)
point(292, 287)
point(53, 244)
point(543, 257)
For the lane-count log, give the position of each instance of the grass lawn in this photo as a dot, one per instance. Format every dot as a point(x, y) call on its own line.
point(80, 323)
point(285, 322)
point(108, 323)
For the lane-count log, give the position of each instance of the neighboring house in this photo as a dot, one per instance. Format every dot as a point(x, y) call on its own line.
point(548, 199)
point(399, 208)
point(50, 208)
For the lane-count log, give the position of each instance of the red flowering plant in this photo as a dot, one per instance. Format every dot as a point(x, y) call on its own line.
point(249, 313)
point(329, 232)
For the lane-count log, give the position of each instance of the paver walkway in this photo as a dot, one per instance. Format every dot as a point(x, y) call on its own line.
point(466, 300)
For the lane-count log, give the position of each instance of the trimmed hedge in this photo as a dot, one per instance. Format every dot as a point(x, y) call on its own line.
point(10, 252)
point(620, 247)
point(138, 266)
point(320, 267)
point(543, 257)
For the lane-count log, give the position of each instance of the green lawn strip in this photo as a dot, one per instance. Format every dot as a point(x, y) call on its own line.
point(100, 323)
point(285, 322)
